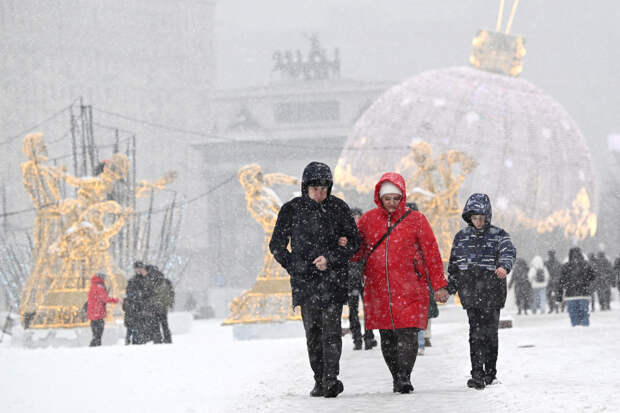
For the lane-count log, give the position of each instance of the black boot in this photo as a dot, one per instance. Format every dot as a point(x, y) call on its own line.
point(332, 388)
point(317, 391)
point(370, 343)
point(476, 383)
point(403, 385)
point(357, 345)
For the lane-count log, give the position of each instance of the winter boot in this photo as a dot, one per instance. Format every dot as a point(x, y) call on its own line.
point(427, 342)
point(402, 385)
point(332, 388)
point(357, 345)
point(489, 379)
point(370, 343)
point(476, 383)
point(317, 390)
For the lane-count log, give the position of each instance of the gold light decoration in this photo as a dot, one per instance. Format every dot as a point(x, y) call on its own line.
point(578, 222)
point(42, 184)
point(270, 298)
point(72, 237)
point(499, 52)
point(433, 185)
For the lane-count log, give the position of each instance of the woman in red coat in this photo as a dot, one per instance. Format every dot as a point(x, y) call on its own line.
point(396, 292)
point(96, 311)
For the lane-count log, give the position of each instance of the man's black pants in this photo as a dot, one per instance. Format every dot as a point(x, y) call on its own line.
point(354, 320)
point(324, 339)
point(483, 341)
point(162, 324)
point(400, 350)
point(96, 326)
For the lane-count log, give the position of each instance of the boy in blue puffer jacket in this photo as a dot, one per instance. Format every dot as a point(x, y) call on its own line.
point(481, 257)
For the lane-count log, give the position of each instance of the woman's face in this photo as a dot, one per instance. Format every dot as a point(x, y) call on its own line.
point(390, 202)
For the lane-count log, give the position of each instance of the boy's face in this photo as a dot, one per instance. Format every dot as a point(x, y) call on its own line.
point(478, 221)
point(317, 193)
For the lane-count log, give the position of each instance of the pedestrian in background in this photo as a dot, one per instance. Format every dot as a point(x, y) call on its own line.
point(522, 287)
point(575, 287)
point(539, 279)
point(96, 308)
point(356, 292)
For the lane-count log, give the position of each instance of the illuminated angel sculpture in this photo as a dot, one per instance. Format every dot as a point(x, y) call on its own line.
point(42, 184)
point(264, 205)
point(434, 187)
point(270, 297)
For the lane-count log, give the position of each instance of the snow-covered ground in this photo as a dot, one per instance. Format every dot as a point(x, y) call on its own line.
point(544, 366)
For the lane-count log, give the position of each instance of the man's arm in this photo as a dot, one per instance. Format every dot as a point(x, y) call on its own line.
point(281, 236)
point(340, 255)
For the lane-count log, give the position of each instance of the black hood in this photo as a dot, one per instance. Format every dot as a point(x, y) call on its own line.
point(478, 204)
point(316, 172)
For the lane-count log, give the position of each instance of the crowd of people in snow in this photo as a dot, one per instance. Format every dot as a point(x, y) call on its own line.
point(574, 284)
point(148, 298)
point(389, 259)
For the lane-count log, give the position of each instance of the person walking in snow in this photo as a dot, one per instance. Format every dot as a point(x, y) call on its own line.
point(313, 223)
point(539, 279)
point(605, 272)
point(575, 287)
point(138, 305)
point(356, 292)
point(163, 300)
point(481, 256)
point(523, 288)
point(96, 307)
point(554, 268)
point(402, 260)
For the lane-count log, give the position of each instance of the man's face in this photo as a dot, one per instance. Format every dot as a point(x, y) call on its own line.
point(390, 202)
point(141, 271)
point(478, 221)
point(317, 193)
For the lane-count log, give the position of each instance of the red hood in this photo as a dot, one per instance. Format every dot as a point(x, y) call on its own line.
point(96, 280)
point(398, 180)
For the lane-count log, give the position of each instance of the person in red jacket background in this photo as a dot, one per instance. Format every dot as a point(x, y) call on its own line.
point(397, 275)
point(96, 310)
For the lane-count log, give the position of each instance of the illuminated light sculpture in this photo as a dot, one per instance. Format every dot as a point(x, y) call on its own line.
point(74, 240)
point(433, 186)
point(42, 184)
point(531, 158)
point(270, 298)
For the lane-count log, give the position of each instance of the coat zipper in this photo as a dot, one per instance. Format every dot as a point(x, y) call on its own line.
point(387, 275)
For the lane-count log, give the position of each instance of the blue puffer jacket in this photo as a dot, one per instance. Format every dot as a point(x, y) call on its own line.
point(475, 256)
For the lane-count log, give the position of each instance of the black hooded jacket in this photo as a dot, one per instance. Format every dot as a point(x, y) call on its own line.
point(313, 230)
point(577, 277)
point(475, 256)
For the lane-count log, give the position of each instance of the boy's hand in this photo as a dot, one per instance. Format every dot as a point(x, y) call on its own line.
point(342, 241)
point(321, 263)
point(500, 272)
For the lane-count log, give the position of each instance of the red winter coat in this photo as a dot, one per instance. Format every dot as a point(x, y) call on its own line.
point(97, 299)
point(391, 282)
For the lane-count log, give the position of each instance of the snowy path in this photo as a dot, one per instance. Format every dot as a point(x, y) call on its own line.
point(544, 366)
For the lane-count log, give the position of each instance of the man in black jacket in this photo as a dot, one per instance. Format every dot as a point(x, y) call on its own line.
point(138, 307)
point(318, 269)
point(481, 256)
